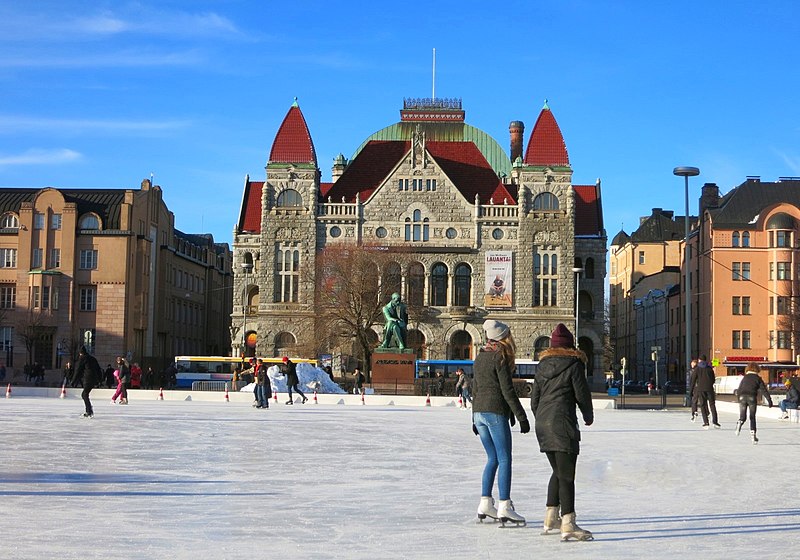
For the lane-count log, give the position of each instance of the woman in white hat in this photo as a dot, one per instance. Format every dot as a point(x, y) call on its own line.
point(494, 407)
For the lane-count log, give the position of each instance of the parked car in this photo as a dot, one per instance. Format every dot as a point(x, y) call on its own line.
point(728, 384)
point(674, 387)
point(632, 387)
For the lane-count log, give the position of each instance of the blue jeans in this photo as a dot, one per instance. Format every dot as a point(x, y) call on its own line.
point(784, 404)
point(261, 396)
point(495, 433)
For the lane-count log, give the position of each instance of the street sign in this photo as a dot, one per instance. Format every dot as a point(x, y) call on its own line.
point(655, 348)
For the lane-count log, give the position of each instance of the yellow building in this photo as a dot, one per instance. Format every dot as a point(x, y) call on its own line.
point(105, 268)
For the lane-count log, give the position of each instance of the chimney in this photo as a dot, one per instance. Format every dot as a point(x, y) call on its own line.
point(709, 197)
point(516, 130)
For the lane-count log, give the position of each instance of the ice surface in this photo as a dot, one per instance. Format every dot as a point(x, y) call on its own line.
point(199, 480)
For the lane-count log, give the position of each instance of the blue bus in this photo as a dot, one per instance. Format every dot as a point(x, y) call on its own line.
point(526, 369)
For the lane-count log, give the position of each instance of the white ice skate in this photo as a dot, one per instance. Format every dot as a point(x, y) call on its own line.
point(487, 509)
point(552, 521)
point(753, 437)
point(570, 529)
point(739, 427)
point(506, 513)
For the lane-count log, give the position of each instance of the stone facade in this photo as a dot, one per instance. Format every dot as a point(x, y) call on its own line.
point(431, 213)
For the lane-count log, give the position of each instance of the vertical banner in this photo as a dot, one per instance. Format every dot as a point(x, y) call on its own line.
point(499, 288)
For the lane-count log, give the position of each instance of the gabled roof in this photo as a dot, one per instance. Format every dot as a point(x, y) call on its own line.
point(462, 162)
point(250, 217)
point(546, 144)
point(588, 212)
point(740, 207)
point(293, 142)
point(659, 227)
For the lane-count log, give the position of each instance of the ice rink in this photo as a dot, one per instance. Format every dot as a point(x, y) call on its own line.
point(196, 480)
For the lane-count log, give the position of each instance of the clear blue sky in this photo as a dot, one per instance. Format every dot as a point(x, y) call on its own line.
point(102, 94)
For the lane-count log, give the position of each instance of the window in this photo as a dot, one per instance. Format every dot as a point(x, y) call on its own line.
point(7, 344)
point(55, 258)
point(745, 305)
point(439, 285)
point(589, 268)
point(782, 304)
point(784, 339)
point(497, 234)
point(35, 294)
point(9, 221)
point(287, 263)
point(735, 239)
point(430, 184)
point(402, 184)
point(88, 301)
point(36, 258)
point(38, 220)
point(740, 271)
point(416, 284)
point(8, 258)
point(745, 239)
point(45, 297)
point(736, 341)
point(88, 260)
point(783, 238)
point(451, 233)
point(416, 227)
point(641, 257)
point(545, 279)
point(55, 221)
point(89, 221)
point(88, 339)
point(784, 271)
point(746, 340)
point(336, 231)
point(463, 285)
point(8, 297)
point(545, 201)
point(289, 198)
point(736, 306)
point(381, 232)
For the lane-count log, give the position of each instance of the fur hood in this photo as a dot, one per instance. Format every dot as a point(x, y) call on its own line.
point(562, 353)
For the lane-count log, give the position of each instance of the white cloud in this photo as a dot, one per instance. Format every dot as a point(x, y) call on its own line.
point(36, 156)
point(115, 59)
point(13, 124)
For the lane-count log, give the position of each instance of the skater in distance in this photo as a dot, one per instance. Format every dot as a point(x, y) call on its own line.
point(90, 372)
point(495, 405)
point(702, 381)
point(559, 387)
point(749, 388)
point(290, 371)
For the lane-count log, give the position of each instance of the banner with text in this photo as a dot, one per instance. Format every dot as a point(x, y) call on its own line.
point(499, 288)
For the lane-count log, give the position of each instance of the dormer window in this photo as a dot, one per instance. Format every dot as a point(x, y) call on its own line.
point(9, 221)
point(89, 221)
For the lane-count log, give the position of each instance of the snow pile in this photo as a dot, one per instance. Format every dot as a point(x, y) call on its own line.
point(310, 378)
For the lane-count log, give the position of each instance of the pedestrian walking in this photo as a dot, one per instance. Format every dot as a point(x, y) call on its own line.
point(495, 407)
point(558, 389)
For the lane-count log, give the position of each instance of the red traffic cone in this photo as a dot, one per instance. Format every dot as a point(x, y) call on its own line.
point(227, 398)
point(460, 402)
point(315, 397)
point(275, 395)
point(161, 394)
point(63, 390)
point(8, 391)
point(362, 399)
point(428, 400)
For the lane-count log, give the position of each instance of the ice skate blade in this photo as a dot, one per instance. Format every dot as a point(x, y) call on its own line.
point(565, 538)
point(486, 519)
point(511, 524)
point(550, 532)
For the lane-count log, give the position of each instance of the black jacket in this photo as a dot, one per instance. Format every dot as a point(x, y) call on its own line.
point(290, 371)
point(262, 378)
point(702, 379)
point(751, 384)
point(492, 388)
point(560, 385)
point(89, 370)
point(793, 394)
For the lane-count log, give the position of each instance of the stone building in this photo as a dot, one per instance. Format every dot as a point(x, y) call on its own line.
point(107, 269)
point(479, 233)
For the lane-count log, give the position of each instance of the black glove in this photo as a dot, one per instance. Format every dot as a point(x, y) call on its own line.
point(524, 426)
point(770, 405)
point(513, 420)
point(474, 429)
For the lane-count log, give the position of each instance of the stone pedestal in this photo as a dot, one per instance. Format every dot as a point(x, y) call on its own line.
point(390, 365)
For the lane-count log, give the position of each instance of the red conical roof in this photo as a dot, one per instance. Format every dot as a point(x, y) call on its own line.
point(293, 142)
point(546, 145)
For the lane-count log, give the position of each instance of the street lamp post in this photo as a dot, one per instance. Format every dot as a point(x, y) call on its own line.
point(247, 267)
point(687, 172)
point(577, 271)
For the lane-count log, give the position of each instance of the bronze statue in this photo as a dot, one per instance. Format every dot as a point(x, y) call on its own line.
point(394, 331)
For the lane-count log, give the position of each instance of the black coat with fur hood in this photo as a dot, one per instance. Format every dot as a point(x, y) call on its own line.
point(560, 385)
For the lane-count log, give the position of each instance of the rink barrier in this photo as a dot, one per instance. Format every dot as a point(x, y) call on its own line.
point(246, 397)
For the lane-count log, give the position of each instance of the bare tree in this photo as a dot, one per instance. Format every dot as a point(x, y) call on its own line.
point(33, 330)
point(350, 297)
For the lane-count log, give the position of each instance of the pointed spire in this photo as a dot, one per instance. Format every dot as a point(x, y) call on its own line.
point(546, 144)
point(293, 142)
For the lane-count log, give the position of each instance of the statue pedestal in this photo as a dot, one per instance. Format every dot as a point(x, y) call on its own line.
point(393, 366)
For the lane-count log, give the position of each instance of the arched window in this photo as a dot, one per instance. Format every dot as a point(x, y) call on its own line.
point(416, 340)
point(463, 285)
point(89, 221)
point(461, 346)
point(545, 201)
point(392, 279)
point(416, 227)
point(542, 343)
point(439, 284)
point(284, 341)
point(289, 198)
point(578, 263)
point(9, 221)
point(589, 269)
point(416, 285)
point(735, 239)
point(745, 239)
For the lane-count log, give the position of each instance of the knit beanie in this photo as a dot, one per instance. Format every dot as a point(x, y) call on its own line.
point(495, 330)
point(561, 337)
